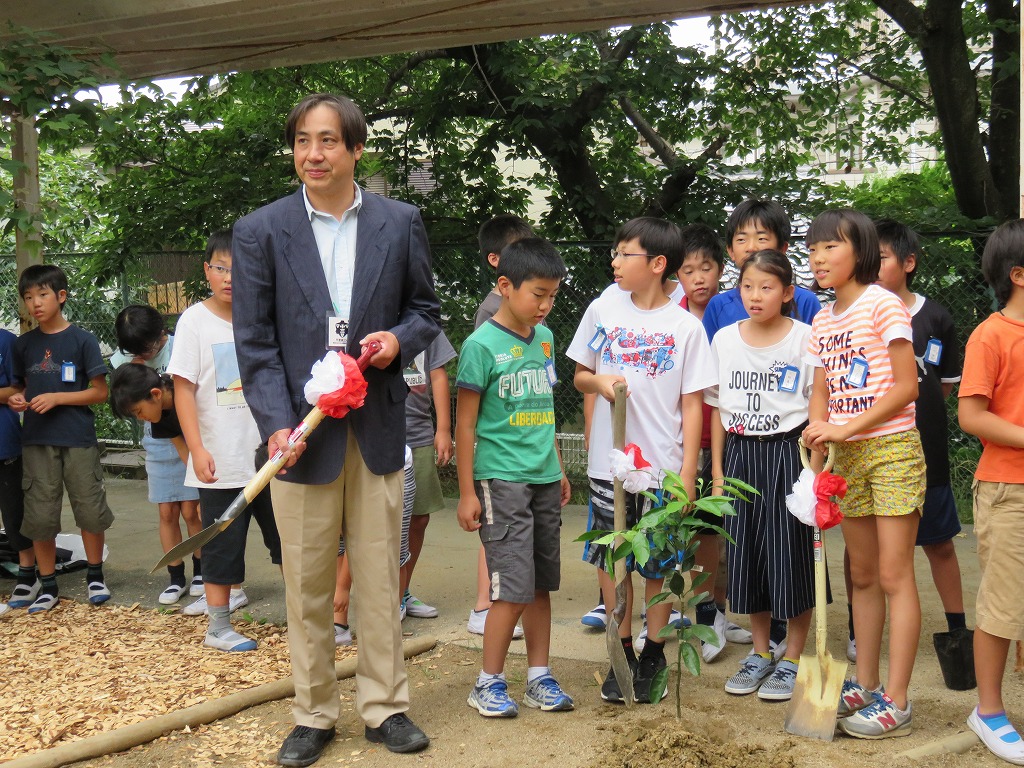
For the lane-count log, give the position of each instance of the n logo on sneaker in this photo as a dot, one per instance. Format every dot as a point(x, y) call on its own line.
point(887, 719)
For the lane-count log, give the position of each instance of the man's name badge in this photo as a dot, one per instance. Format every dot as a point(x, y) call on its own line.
point(549, 369)
point(414, 378)
point(858, 374)
point(600, 337)
point(337, 332)
point(67, 372)
point(789, 379)
point(933, 352)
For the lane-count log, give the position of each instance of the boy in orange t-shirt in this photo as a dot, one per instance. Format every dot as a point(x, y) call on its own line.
point(992, 407)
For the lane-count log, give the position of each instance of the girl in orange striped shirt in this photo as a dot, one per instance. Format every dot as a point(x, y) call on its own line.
point(865, 385)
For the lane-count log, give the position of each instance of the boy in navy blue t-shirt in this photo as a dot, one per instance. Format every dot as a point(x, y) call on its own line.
point(58, 373)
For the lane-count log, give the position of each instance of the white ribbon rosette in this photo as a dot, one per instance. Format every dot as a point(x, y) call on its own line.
point(631, 468)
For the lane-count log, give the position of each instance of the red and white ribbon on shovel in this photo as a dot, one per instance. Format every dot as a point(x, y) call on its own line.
point(336, 388)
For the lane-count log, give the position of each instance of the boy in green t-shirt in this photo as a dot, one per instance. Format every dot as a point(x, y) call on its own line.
point(512, 487)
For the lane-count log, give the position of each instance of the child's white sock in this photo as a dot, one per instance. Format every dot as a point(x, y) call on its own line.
point(484, 679)
point(533, 673)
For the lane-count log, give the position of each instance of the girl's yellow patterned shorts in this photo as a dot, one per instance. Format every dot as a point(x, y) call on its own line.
point(884, 475)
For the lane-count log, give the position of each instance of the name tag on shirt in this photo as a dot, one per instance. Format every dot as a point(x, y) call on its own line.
point(600, 337)
point(789, 379)
point(337, 332)
point(933, 352)
point(858, 374)
point(67, 373)
point(549, 369)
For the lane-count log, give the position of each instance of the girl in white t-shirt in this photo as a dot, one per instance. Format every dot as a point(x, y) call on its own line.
point(865, 385)
point(760, 409)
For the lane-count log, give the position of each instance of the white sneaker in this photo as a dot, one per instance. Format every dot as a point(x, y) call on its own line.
point(851, 650)
point(710, 651)
point(999, 736)
point(232, 642)
point(402, 610)
point(238, 599)
point(172, 594)
point(342, 634)
point(196, 607)
point(4, 608)
point(195, 587)
point(418, 609)
point(477, 620)
point(734, 633)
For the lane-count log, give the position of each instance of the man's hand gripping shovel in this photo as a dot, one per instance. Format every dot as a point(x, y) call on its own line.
point(349, 393)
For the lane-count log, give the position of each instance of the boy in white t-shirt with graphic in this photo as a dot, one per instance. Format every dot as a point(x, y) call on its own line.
point(642, 337)
point(222, 438)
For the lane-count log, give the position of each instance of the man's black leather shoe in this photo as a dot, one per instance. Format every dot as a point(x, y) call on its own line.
point(399, 734)
point(304, 745)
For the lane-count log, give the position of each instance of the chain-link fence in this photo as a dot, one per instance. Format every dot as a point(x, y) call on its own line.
point(948, 274)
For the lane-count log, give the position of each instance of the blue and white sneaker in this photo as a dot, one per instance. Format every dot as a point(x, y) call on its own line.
point(492, 700)
point(547, 695)
point(779, 687)
point(98, 592)
point(24, 595)
point(999, 735)
point(753, 671)
point(881, 719)
point(596, 617)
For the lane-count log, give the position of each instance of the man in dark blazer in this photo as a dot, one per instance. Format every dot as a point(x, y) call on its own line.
point(304, 266)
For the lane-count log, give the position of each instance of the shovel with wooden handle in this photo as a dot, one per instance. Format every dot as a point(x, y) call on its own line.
point(819, 679)
point(616, 653)
point(259, 481)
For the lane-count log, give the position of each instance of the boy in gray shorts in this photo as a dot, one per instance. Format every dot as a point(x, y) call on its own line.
point(512, 487)
point(58, 374)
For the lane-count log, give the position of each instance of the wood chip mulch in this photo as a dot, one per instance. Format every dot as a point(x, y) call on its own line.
point(80, 670)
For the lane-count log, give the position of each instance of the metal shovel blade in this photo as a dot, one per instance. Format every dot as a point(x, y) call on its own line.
point(204, 537)
point(819, 679)
point(616, 653)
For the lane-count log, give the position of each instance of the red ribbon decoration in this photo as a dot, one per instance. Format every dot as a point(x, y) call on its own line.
point(829, 489)
point(633, 451)
point(351, 395)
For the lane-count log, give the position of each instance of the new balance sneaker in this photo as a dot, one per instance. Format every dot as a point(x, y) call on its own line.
point(855, 697)
point(98, 592)
point(596, 617)
point(231, 641)
point(172, 594)
point(195, 587)
point(753, 671)
point(492, 700)
point(881, 719)
point(547, 695)
point(418, 609)
point(734, 633)
point(779, 686)
point(648, 665)
point(710, 651)
point(342, 634)
point(196, 607)
point(999, 735)
point(477, 620)
point(851, 650)
point(24, 595)
point(238, 599)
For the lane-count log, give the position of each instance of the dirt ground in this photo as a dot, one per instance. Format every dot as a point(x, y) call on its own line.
point(716, 729)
